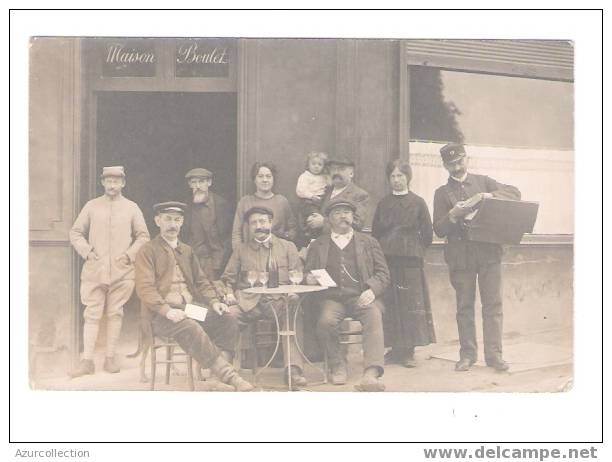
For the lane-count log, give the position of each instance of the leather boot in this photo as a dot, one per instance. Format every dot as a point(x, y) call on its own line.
point(226, 374)
point(85, 367)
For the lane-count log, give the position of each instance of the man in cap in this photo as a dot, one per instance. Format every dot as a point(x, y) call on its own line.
point(342, 172)
point(255, 256)
point(168, 276)
point(356, 263)
point(470, 261)
point(108, 233)
point(208, 224)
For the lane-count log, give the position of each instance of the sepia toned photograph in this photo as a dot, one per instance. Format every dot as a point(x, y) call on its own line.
point(327, 215)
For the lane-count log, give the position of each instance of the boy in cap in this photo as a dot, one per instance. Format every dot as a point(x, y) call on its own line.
point(469, 261)
point(107, 234)
point(168, 276)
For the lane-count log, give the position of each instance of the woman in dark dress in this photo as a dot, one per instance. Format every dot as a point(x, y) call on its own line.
point(402, 225)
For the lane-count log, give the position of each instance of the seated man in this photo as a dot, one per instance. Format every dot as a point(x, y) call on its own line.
point(254, 256)
point(356, 263)
point(168, 275)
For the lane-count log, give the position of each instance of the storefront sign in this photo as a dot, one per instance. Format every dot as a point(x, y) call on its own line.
point(203, 58)
point(129, 59)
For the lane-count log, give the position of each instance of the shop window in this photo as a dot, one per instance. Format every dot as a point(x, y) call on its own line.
point(516, 130)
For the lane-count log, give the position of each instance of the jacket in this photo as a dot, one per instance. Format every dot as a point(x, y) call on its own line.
point(154, 270)
point(445, 198)
point(402, 225)
point(373, 270)
point(111, 228)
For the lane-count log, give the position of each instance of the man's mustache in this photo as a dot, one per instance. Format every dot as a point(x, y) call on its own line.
point(262, 230)
point(336, 175)
point(172, 229)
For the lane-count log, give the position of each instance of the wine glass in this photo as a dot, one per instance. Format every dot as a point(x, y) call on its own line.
point(252, 278)
point(263, 278)
point(296, 276)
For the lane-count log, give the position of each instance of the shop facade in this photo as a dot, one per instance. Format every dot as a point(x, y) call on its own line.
point(163, 106)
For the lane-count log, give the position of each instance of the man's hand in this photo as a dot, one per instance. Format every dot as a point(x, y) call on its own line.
point(315, 220)
point(230, 299)
point(220, 308)
point(123, 259)
point(175, 315)
point(366, 298)
point(92, 255)
point(486, 195)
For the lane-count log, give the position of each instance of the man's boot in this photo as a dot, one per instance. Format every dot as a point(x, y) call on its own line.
point(370, 381)
point(226, 373)
point(213, 383)
point(85, 367)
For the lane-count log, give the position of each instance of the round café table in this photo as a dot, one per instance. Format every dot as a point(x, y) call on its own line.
point(289, 334)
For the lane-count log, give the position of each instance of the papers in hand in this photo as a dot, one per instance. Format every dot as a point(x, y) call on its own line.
point(196, 312)
point(323, 278)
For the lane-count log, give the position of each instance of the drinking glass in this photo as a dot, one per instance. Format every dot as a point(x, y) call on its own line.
point(252, 278)
point(263, 278)
point(296, 276)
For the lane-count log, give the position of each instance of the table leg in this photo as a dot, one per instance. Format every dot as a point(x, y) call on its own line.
point(255, 377)
point(323, 373)
point(288, 336)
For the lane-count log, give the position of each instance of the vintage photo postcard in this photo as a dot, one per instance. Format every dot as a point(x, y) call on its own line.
point(243, 214)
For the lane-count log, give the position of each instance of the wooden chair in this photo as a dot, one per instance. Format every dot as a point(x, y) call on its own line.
point(351, 333)
point(148, 342)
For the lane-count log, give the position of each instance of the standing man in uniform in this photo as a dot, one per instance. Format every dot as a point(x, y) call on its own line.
point(470, 261)
point(108, 233)
point(208, 222)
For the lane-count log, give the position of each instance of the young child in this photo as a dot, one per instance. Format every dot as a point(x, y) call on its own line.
point(311, 187)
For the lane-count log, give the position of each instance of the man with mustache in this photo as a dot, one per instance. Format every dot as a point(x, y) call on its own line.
point(254, 255)
point(342, 172)
point(208, 224)
point(108, 233)
point(168, 276)
point(470, 261)
point(356, 263)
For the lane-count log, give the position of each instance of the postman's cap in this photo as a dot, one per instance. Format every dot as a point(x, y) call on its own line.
point(116, 170)
point(452, 152)
point(334, 203)
point(171, 206)
point(262, 210)
point(341, 160)
point(198, 173)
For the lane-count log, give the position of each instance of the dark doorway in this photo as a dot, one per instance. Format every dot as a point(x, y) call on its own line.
point(159, 136)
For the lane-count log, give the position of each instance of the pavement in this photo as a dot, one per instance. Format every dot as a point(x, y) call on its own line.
point(539, 362)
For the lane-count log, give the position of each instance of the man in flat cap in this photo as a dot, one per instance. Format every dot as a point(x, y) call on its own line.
point(255, 256)
point(470, 261)
point(208, 224)
point(168, 276)
point(342, 172)
point(107, 234)
point(356, 263)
